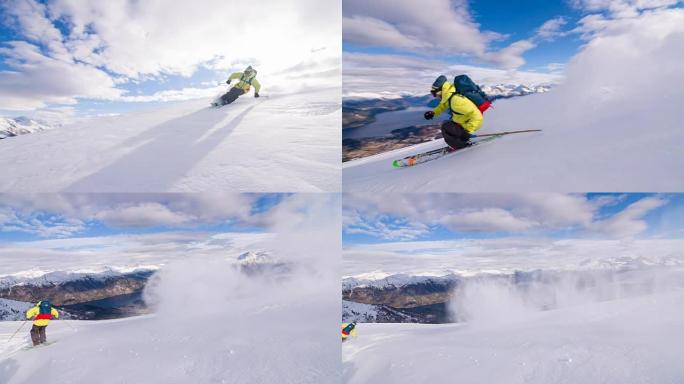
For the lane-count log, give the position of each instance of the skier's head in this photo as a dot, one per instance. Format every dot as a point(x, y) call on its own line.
point(249, 71)
point(437, 85)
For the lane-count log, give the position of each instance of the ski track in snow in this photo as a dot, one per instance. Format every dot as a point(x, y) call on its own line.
point(283, 143)
point(637, 340)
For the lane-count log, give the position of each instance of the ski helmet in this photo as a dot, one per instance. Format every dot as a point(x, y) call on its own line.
point(437, 85)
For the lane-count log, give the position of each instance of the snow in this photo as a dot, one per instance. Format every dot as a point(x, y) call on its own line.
point(254, 258)
point(632, 340)
point(613, 125)
point(13, 310)
point(287, 141)
point(358, 312)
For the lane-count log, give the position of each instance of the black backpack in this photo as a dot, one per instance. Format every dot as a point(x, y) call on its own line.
point(466, 86)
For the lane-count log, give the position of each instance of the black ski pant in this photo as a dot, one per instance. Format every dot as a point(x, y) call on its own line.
point(455, 135)
point(232, 95)
point(38, 334)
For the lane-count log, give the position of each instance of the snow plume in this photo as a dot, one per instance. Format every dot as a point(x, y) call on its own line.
point(487, 302)
point(276, 305)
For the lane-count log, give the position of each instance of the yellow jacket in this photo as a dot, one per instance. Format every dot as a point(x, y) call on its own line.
point(245, 83)
point(38, 319)
point(345, 335)
point(463, 111)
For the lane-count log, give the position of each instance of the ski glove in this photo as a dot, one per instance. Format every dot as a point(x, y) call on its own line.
point(256, 94)
point(228, 81)
point(429, 115)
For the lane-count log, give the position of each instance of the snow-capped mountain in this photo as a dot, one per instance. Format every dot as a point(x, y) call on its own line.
point(259, 257)
point(504, 91)
point(370, 313)
point(10, 127)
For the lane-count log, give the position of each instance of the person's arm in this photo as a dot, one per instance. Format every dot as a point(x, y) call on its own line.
point(257, 86)
point(235, 75)
point(54, 313)
point(31, 313)
point(443, 105)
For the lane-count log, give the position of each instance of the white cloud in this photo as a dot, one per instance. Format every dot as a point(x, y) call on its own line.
point(429, 27)
point(30, 213)
point(36, 79)
point(487, 219)
point(411, 216)
point(621, 8)
point(630, 221)
point(38, 223)
point(379, 74)
point(551, 28)
point(505, 255)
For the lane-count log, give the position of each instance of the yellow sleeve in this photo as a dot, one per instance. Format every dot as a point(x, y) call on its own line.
point(235, 75)
point(443, 105)
point(31, 313)
point(54, 313)
point(257, 85)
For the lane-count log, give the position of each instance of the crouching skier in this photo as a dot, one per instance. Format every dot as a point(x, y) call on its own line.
point(466, 102)
point(41, 314)
point(247, 78)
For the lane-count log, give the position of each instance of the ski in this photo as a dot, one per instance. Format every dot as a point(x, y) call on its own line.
point(435, 154)
point(506, 133)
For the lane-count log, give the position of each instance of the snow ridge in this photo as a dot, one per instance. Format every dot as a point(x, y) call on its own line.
point(50, 278)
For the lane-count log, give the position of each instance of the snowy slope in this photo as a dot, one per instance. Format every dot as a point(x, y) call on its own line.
point(604, 129)
point(174, 353)
point(283, 142)
point(636, 340)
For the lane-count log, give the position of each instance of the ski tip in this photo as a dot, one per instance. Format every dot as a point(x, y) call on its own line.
point(396, 164)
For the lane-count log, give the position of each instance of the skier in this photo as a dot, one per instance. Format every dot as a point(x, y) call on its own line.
point(348, 329)
point(247, 78)
point(466, 116)
point(41, 314)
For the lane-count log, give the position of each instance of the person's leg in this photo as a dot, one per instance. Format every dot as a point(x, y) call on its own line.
point(232, 95)
point(41, 333)
point(35, 337)
point(454, 135)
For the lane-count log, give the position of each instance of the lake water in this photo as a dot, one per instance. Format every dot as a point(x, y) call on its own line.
point(387, 121)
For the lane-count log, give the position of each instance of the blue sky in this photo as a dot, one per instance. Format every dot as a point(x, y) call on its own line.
point(520, 20)
point(59, 60)
point(517, 20)
point(435, 217)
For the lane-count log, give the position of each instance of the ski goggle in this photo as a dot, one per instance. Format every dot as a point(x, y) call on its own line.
point(434, 91)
